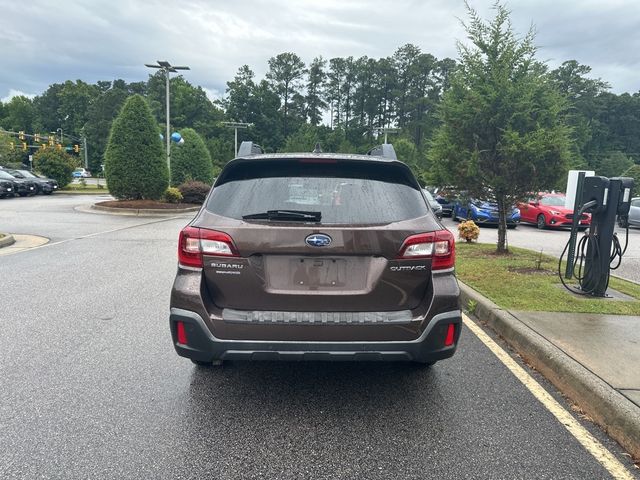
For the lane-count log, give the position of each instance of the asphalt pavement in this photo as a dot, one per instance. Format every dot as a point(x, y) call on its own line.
point(90, 386)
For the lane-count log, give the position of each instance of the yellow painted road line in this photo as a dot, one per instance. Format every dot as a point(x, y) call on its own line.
point(588, 441)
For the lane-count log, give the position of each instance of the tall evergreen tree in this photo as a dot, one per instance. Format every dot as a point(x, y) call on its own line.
point(315, 88)
point(285, 74)
point(191, 160)
point(135, 164)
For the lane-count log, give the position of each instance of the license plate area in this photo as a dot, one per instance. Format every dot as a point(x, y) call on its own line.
point(316, 274)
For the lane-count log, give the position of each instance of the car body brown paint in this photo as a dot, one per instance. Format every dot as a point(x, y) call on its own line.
point(276, 271)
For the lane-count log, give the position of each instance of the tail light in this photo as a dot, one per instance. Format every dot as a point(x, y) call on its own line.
point(440, 246)
point(195, 242)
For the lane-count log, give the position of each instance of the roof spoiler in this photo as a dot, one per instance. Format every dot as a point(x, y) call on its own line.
point(249, 148)
point(385, 150)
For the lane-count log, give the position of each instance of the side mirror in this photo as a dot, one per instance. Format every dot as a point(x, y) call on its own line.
point(534, 203)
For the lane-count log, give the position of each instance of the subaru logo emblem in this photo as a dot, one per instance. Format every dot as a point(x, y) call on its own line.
point(318, 240)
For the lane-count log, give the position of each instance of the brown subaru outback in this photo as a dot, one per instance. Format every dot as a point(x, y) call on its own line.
point(315, 256)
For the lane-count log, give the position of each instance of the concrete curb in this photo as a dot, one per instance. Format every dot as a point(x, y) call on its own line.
point(7, 240)
point(615, 413)
point(143, 211)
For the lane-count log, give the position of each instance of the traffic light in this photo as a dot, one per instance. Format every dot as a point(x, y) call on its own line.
point(43, 146)
point(21, 135)
point(51, 140)
point(12, 145)
point(76, 148)
point(24, 146)
point(36, 138)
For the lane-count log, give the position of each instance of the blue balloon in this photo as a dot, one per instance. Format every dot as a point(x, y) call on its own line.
point(176, 137)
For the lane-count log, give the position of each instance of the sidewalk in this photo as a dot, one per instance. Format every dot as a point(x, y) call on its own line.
point(22, 242)
point(593, 359)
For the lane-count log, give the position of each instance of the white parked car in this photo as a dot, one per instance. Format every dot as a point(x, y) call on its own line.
point(81, 173)
point(633, 219)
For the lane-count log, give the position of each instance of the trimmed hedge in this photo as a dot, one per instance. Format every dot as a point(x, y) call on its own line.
point(194, 192)
point(135, 164)
point(190, 160)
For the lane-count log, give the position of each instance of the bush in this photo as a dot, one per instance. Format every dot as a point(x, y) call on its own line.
point(634, 172)
point(55, 164)
point(468, 231)
point(173, 195)
point(194, 192)
point(135, 165)
point(190, 160)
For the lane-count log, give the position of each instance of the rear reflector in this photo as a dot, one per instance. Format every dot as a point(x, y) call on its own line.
point(195, 242)
point(451, 331)
point(440, 246)
point(182, 334)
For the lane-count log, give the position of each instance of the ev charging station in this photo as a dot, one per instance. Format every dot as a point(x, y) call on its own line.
point(591, 259)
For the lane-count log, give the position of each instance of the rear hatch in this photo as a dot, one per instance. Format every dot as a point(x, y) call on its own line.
point(321, 235)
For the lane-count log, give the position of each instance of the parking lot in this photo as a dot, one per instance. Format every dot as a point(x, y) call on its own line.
point(91, 386)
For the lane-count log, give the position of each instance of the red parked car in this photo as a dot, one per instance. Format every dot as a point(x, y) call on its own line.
point(548, 210)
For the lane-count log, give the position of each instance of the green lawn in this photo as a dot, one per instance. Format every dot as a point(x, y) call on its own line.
point(526, 280)
point(79, 188)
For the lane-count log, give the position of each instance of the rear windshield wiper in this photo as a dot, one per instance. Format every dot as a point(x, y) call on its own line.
point(296, 215)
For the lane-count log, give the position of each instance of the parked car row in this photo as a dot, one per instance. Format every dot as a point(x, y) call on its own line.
point(545, 210)
point(24, 183)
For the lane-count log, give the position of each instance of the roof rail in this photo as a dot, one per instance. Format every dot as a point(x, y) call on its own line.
point(249, 148)
point(385, 150)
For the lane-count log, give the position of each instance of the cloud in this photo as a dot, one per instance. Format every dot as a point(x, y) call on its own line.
point(16, 93)
point(108, 39)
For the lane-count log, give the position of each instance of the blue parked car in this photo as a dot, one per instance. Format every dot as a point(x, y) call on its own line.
point(484, 212)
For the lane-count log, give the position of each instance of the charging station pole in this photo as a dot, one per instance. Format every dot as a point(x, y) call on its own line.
point(599, 254)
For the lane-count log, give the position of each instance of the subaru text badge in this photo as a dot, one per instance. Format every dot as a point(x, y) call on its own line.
point(318, 240)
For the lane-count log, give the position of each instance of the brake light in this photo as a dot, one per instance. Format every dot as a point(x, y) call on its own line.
point(195, 242)
point(451, 331)
point(440, 246)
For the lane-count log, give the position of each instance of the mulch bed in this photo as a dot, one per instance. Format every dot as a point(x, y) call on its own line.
point(146, 204)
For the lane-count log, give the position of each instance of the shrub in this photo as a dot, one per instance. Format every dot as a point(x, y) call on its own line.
point(55, 164)
point(190, 160)
point(135, 164)
point(173, 195)
point(634, 172)
point(194, 192)
point(468, 231)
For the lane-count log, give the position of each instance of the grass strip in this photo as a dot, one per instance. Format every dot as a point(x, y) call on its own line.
point(528, 280)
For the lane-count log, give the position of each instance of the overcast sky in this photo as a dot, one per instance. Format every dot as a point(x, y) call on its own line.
point(44, 42)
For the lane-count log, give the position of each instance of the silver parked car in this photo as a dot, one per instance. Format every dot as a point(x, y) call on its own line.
point(633, 218)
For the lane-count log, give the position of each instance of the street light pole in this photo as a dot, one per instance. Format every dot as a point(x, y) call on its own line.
point(236, 126)
point(166, 68)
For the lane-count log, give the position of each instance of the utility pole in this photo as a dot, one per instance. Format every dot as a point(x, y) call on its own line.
point(236, 126)
point(167, 68)
point(385, 130)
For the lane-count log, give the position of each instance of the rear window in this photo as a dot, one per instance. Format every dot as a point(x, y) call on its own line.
point(344, 192)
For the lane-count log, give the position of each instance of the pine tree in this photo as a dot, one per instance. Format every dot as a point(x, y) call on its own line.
point(135, 165)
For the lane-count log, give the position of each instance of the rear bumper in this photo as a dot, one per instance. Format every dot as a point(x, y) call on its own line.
point(202, 345)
